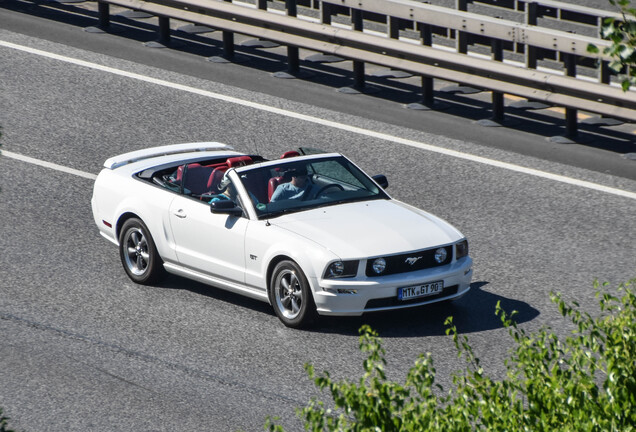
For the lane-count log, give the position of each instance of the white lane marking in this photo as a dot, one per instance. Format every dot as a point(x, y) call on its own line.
point(328, 123)
point(48, 165)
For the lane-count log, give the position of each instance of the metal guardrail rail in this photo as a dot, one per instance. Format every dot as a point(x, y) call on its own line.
point(476, 24)
point(553, 9)
point(420, 57)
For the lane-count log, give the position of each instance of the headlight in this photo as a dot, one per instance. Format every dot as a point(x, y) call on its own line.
point(379, 265)
point(336, 269)
point(440, 255)
point(341, 269)
point(461, 249)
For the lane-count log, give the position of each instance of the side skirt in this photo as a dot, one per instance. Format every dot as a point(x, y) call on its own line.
point(215, 282)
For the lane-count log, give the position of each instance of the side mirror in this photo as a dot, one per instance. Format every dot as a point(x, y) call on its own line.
point(225, 207)
point(381, 180)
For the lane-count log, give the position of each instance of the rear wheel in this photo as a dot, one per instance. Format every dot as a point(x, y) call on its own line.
point(291, 296)
point(138, 253)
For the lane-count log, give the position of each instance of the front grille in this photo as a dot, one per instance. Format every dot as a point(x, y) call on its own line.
point(393, 301)
point(400, 263)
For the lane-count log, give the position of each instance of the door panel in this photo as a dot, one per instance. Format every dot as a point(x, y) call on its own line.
point(207, 242)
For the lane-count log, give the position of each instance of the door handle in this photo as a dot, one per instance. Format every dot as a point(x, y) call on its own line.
point(180, 213)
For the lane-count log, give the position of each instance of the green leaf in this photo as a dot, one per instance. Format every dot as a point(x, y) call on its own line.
point(586, 381)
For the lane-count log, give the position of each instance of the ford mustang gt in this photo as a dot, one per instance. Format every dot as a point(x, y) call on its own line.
point(310, 233)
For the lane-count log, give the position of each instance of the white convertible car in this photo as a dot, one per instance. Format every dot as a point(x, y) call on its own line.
point(308, 233)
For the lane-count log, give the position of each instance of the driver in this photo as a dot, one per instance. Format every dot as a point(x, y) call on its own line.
point(299, 186)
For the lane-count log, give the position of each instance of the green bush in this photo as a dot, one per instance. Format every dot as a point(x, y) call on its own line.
point(622, 34)
point(3, 423)
point(584, 382)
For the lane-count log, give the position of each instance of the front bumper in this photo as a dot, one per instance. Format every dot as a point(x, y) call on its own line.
point(357, 296)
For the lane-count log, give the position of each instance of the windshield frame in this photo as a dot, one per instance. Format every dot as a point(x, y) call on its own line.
point(366, 188)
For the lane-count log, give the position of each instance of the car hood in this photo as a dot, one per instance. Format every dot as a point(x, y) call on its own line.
point(369, 228)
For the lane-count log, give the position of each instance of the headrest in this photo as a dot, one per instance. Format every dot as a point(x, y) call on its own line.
point(239, 161)
point(291, 153)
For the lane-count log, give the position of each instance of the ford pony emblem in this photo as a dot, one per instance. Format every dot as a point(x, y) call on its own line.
point(412, 260)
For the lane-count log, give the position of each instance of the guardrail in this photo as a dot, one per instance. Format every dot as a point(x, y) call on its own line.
point(392, 45)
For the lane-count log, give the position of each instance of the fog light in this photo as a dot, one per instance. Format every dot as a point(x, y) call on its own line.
point(347, 291)
point(379, 265)
point(440, 255)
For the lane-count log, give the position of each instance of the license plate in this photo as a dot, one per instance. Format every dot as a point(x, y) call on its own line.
point(411, 292)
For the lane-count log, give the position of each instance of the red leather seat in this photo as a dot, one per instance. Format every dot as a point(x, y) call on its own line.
point(272, 185)
point(216, 177)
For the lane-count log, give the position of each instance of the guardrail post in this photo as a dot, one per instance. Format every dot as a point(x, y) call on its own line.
point(428, 96)
point(229, 54)
point(164, 30)
point(358, 66)
point(531, 19)
point(497, 119)
point(359, 81)
point(604, 77)
point(461, 38)
point(163, 34)
point(604, 72)
point(293, 60)
point(325, 13)
point(228, 43)
point(103, 20)
point(103, 13)
point(428, 93)
point(497, 97)
point(394, 28)
point(571, 125)
point(461, 45)
point(571, 113)
point(532, 13)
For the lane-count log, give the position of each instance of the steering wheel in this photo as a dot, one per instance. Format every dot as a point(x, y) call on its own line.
point(325, 187)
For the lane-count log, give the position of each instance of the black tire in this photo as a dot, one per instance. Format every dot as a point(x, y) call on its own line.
point(290, 295)
point(138, 253)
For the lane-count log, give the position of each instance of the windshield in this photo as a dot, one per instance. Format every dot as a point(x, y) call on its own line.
point(297, 185)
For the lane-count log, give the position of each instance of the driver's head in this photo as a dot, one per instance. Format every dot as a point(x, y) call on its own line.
point(299, 176)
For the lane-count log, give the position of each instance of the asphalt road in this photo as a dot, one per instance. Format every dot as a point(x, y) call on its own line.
point(83, 348)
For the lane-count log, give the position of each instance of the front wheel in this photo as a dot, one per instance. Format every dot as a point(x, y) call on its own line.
point(138, 253)
point(291, 296)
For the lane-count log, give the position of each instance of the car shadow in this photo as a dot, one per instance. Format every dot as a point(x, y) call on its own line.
point(175, 282)
point(475, 312)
